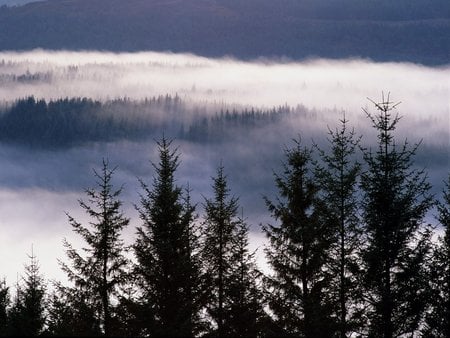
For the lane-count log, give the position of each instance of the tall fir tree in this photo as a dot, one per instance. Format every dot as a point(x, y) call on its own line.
point(337, 174)
point(219, 226)
point(102, 270)
point(395, 200)
point(437, 323)
point(26, 317)
point(195, 294)
point(297, 252)
point(234, 302)
point(165, 251)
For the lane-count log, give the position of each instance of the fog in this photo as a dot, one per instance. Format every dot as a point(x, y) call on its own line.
point(341, 84)
point(37, 186)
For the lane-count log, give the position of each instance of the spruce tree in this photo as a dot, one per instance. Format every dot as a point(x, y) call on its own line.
point(165, 251)
point(337, 174)
point(297, 252)
point(219, 227)
point(26, 317)
point(102, 270)
point(395, 200)
point(234, 301)
point(438, 318)
point(195, 294)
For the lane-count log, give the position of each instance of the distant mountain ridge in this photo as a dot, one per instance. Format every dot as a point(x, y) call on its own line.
point(403, 30)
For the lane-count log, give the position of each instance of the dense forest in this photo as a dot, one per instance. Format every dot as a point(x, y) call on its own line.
point(70, 122)
point(350, 250)
point(403, 30)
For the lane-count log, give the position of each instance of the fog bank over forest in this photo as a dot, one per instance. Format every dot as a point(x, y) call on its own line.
point(317, 83)
point(37, 185)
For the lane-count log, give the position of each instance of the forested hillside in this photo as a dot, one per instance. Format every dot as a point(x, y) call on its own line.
point(416, 31)
point(72, 122)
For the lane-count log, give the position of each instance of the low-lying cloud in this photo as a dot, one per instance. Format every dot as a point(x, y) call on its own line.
point(341, 84)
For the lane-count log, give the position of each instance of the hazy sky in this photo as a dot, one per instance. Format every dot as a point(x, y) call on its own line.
point(37, 187)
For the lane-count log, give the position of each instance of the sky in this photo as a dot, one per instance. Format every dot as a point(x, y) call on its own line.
point(37, 187)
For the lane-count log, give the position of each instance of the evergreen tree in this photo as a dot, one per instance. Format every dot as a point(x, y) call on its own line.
point(103, 270)
point(438, 318)
point(4, 304)
point(234, 301)
point(297, 252)
point(128, 320)
point(219, 227)
point(72, 312)
point(165, 252)
point(396, 199)
point(196, 287)
point(26, 317)
point(243, 298)
point(337, 176)
point(14, 321)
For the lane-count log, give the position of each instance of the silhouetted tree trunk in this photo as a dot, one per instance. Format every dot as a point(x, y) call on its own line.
point(298, 250)
point(395, 202)
point(104, 269)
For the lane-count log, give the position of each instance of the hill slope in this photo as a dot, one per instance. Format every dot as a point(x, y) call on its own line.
point(404, 30)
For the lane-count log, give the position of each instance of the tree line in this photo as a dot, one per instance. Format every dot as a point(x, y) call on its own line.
point(69, 122)
point(349, 250)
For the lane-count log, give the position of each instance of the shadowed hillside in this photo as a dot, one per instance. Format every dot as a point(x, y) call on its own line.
point(416, 31)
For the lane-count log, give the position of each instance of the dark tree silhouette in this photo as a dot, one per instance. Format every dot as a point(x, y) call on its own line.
point(103, 270)
point(395, 200)
point(196, 284)
point(342, 264)
point(297, 251)
point(243, 296)
point(165, 252)
point(438, 318)
point(337, 175)
point(219, 226)
point(4, 304)
point(72, 312)
point(234, 302)
point(26, 317)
